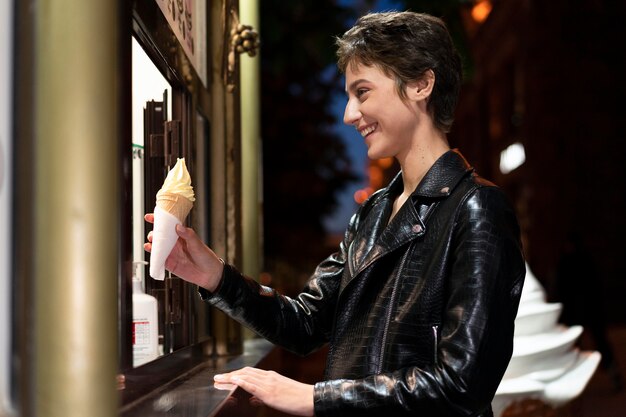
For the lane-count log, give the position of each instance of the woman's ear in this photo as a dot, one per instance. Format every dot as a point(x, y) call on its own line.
point(422, 88)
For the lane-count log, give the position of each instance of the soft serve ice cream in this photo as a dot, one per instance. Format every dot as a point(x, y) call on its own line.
point(546, 366)
point(173, 202)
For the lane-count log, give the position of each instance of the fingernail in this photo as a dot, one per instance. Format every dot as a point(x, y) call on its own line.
point(219, 377)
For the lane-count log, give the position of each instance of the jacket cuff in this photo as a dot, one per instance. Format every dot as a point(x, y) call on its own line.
point(328, 397)
point(222, 289)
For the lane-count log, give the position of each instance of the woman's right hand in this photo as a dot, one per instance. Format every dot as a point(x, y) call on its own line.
point(191, 259)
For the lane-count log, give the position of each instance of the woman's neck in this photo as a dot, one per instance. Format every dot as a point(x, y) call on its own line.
point(420, 157)
point(416, 161)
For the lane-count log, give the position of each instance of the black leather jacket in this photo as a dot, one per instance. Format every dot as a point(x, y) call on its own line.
point(418, 311)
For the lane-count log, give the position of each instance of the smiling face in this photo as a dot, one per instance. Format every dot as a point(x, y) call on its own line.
point(387, 123)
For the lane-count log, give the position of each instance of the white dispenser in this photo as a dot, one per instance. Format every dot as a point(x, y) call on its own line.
point(145, 322)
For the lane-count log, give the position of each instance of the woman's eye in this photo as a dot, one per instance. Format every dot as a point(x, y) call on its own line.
point(361, 91)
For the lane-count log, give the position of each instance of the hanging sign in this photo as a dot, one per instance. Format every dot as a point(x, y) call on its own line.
point(187, 18)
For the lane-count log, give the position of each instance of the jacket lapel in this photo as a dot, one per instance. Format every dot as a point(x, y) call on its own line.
point(403, 228)
point(365, 243)
point(375, 238)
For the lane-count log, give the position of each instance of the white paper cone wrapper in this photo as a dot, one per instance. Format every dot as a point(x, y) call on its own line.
point(164, 238)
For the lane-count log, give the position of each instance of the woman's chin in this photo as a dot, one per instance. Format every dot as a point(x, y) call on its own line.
point(372, 153)
point(375, 154)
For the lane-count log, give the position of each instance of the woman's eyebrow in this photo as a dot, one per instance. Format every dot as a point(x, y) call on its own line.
point(353, 84)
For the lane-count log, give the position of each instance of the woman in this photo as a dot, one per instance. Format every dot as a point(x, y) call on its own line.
point(418, 303)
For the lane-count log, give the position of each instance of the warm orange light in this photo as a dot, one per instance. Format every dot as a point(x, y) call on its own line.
point(360, 196)
point(481, 10)
point(385, 162)
point(376, 176)
point(363, 194)
point(265, 278)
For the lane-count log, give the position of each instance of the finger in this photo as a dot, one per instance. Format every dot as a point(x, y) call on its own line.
point(259, 373)
point(188, 234)
point(147, 247)
point(260, 383)
point(259, 377)
point(252, 371)
point(192, 242)
point(149, 217)
point(224, 386)
point(225, 378)
point(248, 385)
point(248, 370)
point(249, 382)
point(150, 236)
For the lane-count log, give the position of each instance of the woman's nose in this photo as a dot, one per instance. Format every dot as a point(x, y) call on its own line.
point(351, 115)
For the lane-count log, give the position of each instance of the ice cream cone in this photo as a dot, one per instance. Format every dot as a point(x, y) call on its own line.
point(175, 204)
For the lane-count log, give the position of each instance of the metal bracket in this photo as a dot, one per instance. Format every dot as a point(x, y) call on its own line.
point(167, 145)
point(172, 144)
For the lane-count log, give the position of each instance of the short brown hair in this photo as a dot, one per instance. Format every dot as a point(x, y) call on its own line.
point(405, 45)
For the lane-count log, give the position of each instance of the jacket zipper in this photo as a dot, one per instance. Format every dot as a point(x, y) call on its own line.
point(435, 341)
point(392, 302)
point(395, 290)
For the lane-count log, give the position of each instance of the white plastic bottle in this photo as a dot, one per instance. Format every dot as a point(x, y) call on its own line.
point(145, 322)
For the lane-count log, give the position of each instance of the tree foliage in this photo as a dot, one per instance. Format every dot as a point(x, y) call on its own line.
point(304, 162)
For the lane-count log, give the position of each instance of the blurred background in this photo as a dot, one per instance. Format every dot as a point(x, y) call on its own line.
point(539, 115)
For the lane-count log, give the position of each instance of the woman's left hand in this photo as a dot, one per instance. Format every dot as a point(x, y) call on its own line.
point(272, 389)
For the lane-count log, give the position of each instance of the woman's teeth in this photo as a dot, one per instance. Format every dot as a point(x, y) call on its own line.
point(367, 130)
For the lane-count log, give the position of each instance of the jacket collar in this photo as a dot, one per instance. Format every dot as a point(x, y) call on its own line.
point(440, 179)
point(379, 239)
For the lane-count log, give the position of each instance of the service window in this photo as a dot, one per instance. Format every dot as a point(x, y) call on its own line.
point(164, 327)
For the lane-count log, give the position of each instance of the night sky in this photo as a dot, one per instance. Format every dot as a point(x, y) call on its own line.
point(355, 145)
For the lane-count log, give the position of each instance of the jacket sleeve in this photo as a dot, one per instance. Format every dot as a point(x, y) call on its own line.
point(483, 287)
point(301, 324)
